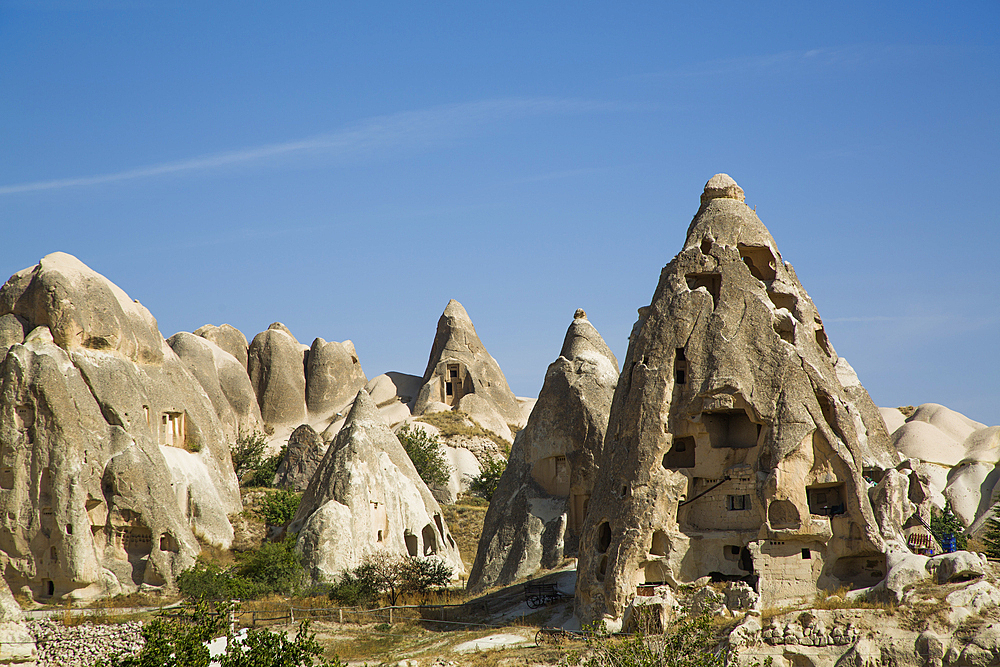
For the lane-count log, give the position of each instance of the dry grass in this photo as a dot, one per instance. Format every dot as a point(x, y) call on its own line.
point(465, 521)
point(456, 422)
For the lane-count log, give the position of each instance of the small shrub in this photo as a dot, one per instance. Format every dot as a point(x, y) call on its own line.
point(247, 453)
point(485, 483)
point(278, 508)
point(690, 643)
point(274, 568)
point(427, 455)
point(352, 591)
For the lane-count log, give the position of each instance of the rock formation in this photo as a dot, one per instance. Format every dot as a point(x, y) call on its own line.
point(333, 376)
point(112, 456)
point(365, 497)
point(276, 364)
point(462, 375)
point(537, 511)
point(734, 448)
point(229, 338)
point(303, 455)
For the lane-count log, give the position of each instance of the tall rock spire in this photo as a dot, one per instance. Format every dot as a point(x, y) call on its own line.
point(734, 449)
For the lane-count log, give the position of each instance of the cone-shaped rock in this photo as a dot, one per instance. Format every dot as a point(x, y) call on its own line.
point(112, 457)
point(461, 373)
point(365, 497)
point(303, 455)
point(276, 364)
point(537, 511)
point(333, 376)
point(733, 448)
point(229, 338)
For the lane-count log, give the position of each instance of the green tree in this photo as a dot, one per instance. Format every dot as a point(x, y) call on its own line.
point(426, 452)
point(991, 535)
point(247, 453)
point(944, 522)
point(392, 575)
point(485, 483)
point(277, 508)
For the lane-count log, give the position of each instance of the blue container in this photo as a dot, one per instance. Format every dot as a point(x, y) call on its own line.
point(948, 543)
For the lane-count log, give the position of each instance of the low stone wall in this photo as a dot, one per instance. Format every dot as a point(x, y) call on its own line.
point(82, 645)
point(812, 634)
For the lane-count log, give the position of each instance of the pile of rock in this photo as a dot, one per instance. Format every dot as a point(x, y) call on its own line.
point(84, 644)
point(813, 632)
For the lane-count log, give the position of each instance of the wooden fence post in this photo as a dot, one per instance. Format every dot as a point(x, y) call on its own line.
point(340, 615)
point(291, 614)
point(390, 615)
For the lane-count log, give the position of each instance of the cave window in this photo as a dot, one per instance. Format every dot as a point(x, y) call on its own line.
point(604, 537)
point(759, 260)
point(7, 478)
point(746, 560)
point(731, 552)
point(430, 540)
point(448, 389)
point(411, 543)
point(172, 429)
point(380, 536)
point(806, 554)
point(826, 500)
point(69, 529)
point(681, 453)
point(50, 587)
point(680, 366)
point(737, 503)
point(602, 568)
point(53, 554)
point(710, 281)
point(168, 543)
point(731, 429)
point(658, 547)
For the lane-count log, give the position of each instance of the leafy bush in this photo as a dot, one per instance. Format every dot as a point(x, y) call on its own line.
point(485, 483)
point(427, 456)
point(384, 573)
point(252, 468)
point(943, 523)
point(179, 641)
point(352, 591)
point(687, 644)
point(277, 508)
point(274, 568)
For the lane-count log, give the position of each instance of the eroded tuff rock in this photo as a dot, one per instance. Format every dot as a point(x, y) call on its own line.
point(461, 374)
point(537, 511)
point(333, 376)
point(225, 381)
point(229, 338)
point(367, 497)
point(303, 455)
point(276, 365)
point(101, 427)
point(734, 448)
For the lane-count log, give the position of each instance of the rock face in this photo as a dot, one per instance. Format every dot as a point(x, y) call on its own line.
point(537, 512)
point(461, 374)
point(276, 364)
point(225, 381)
point(333, 376)
point(227, 337)
point(302, 458)
point(734, 449)
point(365, 497)
point(101, 427)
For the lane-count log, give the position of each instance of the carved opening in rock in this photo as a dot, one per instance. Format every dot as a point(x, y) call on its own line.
point(859, 571)
point(603, 537)
point(48, 588)
point(145, 415)
point(48, 520)
point(69, 529)
point(738, 503)
point(680, 366)
point(759, 260)
point(430, 540)
point(826, 499)
point(731, 552)
point(826, 405)
point(823, 342)
point(578, 511)
point(746, 560)
point(378, 537)
point(654, 573)
point(411, 543)
point(7, 478)
point(169, 543)
point(680, 454)
point(53, 554)
point(457, 383)
point(781, 300)
point(783, 514)
point(806, 554)
point(138, 541)
point(440, 526)
point(552, 474)
point(95, 511)
point(172, 429)
point(706, 245)
point(45, 484)
point(659, 545)
point(731, 429)
point(451, 542)
point(602, 568)
point(710, 281)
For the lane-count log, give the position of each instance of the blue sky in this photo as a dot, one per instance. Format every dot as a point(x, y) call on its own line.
point(347, 169)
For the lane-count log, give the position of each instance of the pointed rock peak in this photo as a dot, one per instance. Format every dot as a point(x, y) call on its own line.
point(582, 337)
point(455, 310)
point(364, 410)
point(722, 186)
point(278, 326)
point(580, 314)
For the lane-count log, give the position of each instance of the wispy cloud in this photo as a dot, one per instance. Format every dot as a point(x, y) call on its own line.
point(426, 126)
